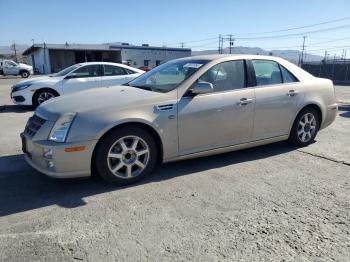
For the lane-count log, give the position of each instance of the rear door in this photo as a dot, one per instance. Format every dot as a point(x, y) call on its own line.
point(275, 103)
point(114, 75)
point(83, 78)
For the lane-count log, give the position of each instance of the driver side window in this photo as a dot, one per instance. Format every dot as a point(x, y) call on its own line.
point(226, 76)
point(10, 64)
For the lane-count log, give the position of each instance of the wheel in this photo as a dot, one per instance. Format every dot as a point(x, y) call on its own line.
point(43, 95)
point(24, 74)
point(305, 128)
point(1, 72)
point(126, 155)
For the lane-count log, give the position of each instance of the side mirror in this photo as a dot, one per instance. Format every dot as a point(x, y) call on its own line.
point(202, 88)
point(71, 75)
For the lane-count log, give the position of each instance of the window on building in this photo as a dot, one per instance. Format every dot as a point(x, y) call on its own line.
point(226, 76)
point(267, 72)
point(158, 62)
point(88, 71)
point(110, 70)
point(146, 62)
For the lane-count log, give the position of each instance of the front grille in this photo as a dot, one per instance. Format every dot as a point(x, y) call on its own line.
point(33, 125)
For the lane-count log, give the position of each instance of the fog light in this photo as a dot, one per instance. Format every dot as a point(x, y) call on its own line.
point(50, 164)
point(47, 153)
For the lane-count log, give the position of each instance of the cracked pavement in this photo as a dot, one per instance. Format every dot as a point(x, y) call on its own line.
point(271, 203)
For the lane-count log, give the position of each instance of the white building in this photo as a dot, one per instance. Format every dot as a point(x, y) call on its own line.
point(51, 58)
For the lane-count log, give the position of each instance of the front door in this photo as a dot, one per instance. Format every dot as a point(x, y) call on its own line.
point(221, 118)
point(275, 104)
point(10, 68)
point(83, 78)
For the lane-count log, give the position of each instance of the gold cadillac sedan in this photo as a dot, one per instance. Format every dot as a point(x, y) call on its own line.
point(185, 108)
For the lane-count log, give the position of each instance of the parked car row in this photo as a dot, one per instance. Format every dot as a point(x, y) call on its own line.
point(185, 108)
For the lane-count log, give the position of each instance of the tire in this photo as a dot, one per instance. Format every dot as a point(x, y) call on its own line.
point(43, 95)
point(24, 74)
point(120, 164)
point(1, 72)
point(305, 128)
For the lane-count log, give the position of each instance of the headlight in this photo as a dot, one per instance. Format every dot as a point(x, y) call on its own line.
point(21, 87)
point(60, 130)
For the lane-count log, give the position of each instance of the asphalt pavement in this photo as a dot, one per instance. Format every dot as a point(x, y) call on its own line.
point(271, 203)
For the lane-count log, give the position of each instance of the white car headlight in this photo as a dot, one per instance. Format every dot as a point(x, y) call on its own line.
point(60, 130)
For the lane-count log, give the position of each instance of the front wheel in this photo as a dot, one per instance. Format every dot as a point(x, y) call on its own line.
point(42, 96)
point(126, 155)
point(305, 128)
point(24, 74)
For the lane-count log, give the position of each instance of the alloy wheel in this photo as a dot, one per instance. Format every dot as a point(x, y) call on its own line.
point(43, 96)
point(128, 157)
point(307, 127)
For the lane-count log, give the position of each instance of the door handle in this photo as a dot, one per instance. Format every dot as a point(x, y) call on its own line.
point(245, 101)
point(292, 92)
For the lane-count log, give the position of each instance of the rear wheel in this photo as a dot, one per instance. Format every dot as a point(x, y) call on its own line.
point(126, 155)
point(305, 128)
point(24, 74)
point(42, 96)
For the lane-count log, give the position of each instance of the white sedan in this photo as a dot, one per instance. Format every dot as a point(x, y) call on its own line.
point(72, 79)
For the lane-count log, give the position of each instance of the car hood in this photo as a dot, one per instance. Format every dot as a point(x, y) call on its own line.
point(98, 100)
point(40, 79)
point(25, 66)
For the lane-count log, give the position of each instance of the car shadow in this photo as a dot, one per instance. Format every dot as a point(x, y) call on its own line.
point(22, 188)
point(344, 111)
point(15, 109)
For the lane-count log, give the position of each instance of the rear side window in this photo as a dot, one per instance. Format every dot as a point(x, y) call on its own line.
point(288, 77)
point(267, 72)
point(130, 72)
point(114, 70)
point(226, 76)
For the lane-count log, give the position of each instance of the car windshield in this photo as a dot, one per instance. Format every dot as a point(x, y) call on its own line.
point(66, 70)
point(168, 76)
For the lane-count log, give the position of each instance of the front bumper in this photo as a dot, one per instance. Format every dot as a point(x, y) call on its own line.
point(61, 164)
point(22, 97)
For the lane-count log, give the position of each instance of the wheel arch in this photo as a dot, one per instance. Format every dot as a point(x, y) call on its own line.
point(315, 106)
point(153, 132)
point(44, 88)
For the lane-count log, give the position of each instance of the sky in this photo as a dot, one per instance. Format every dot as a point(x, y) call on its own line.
point(197, 23)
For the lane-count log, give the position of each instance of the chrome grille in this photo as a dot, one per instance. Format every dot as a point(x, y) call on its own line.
point(33, 125)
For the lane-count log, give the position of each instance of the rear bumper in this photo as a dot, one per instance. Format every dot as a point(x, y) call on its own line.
point(331, 114)
point(60, 164)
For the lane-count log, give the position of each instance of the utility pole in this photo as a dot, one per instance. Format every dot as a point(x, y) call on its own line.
point(325, 56)
point(182, 44)
point(302, 52)
point(231, 40)
point(14, 49)
point(220, 44)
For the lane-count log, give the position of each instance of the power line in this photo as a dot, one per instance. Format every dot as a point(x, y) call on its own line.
point(299, 27)
point(295, 34)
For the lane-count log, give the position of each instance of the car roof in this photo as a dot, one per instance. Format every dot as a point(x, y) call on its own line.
point(110, 63)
